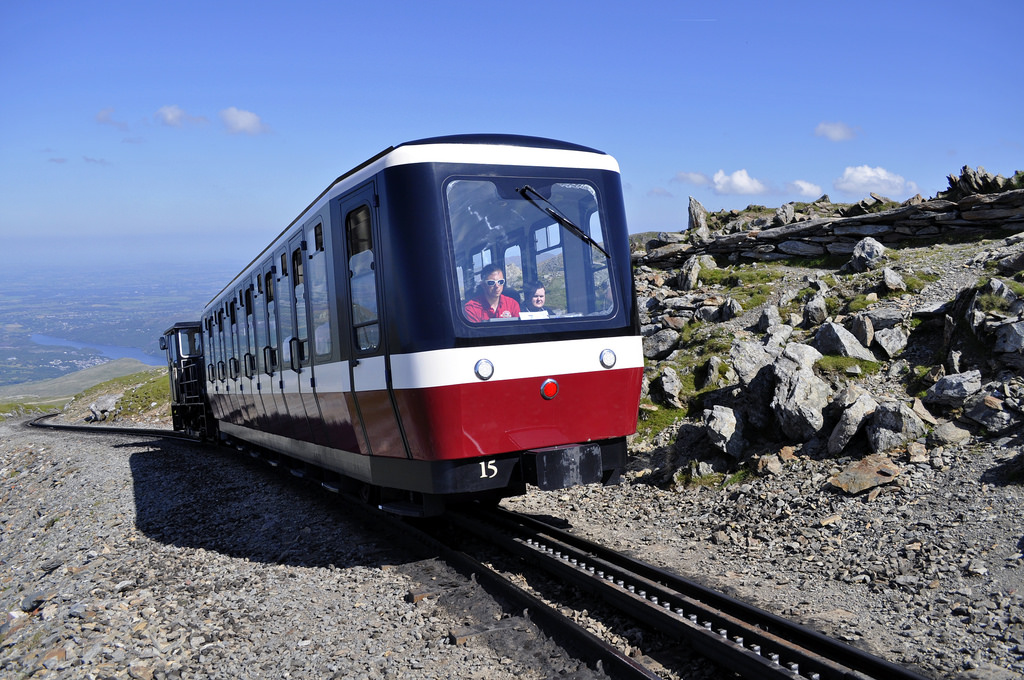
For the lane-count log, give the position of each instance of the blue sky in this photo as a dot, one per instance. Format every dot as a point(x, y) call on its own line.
point(139, 129)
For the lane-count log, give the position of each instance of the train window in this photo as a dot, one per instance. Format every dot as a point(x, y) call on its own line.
point(319, 303)
point(191, 342)
point(259, 324)
point(362, 279)
point(285, 312)
point(270, 349)
point(544, 231)
point(299, 298)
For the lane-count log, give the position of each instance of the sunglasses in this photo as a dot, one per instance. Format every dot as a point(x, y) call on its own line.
point(495, 282)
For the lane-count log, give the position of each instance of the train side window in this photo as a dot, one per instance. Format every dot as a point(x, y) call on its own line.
point(319, 302)
point(271, 346)
point(299, 298)
point(285, 315)
point(363, 281)
point(259, 325)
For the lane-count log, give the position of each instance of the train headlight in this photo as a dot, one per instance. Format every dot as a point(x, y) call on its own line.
point(484, 369)
point(607, 358)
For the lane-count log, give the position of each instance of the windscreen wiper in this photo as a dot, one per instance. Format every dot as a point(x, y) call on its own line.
point(551, 211)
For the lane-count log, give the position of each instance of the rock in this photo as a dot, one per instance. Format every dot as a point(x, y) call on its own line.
point(784, 214)
point(833, 339)
point(863, 330)
point(815, 311)
point(990, 412)
point(947, 434)
point(769, 317)
point(885, 317)
point(769, 464)
point(689, 274)
point(867, 254)
point(668, 387)
point(893, 281)
point(748, 359)
point(724, 430)
point(853, 418)
point(661, 344)
point(697, 217)
point(953, 390)
point(891, 340)
point(871, 471)
point(800, 396)
point(893, 424)
point(1010, 338)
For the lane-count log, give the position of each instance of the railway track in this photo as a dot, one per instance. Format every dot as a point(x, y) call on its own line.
point(105, 429)
point(736, 636)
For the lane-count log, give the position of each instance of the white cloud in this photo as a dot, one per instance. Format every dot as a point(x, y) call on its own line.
point(697, 178)
point(246, 122)
point(863, 180)
point(175, 116)
point(836, 132)
point(805, 189)
point(106, 117)
point(660, 192)
point(738, 182)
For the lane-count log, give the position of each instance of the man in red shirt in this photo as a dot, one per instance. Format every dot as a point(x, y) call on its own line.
point(489, 303)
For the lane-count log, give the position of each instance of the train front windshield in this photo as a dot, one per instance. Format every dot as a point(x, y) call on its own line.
point(529, 250)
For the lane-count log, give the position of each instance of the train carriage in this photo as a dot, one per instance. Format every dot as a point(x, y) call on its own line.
point(350, 342)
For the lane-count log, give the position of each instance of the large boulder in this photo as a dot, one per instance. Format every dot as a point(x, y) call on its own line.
point(661, 344)
point(954, 390)
point(893, 424)
point(867, 254)
point(853, 418)
point(833, 339)
point(724, 429)
point(800, 397)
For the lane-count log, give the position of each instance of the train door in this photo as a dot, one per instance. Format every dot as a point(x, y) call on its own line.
point(290, 347)
point(299, 346)
point(371, 391)
point(273, 400)
point(257, 341)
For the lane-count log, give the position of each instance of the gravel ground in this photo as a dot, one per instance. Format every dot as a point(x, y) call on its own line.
point(130, 557)
point(926, 571)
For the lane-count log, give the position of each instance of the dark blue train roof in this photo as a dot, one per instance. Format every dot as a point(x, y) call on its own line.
point(505, 140)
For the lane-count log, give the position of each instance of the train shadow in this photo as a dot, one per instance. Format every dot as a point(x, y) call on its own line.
point(211, 498)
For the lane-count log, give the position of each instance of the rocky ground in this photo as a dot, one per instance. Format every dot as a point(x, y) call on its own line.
point(127, 557)
point(925, 571)
point(135, 558)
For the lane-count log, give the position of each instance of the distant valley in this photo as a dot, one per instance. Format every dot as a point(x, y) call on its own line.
point(106, 313)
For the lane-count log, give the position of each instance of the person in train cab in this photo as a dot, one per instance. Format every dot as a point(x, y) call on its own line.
point(534, 297)
point(489, 302)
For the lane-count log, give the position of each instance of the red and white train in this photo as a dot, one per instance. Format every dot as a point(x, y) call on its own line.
point(346, 344)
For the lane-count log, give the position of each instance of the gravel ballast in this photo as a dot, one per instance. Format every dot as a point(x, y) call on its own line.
point(134, 557)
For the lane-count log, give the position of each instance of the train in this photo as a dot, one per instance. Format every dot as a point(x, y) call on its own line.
point(388, 339)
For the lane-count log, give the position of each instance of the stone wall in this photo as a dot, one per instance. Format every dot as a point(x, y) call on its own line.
point(952, 214)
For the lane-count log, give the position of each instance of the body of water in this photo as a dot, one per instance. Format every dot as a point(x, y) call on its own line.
point(109, 351)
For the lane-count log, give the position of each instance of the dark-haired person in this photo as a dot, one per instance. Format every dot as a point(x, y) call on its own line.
point(534, 297)
point(489, 303)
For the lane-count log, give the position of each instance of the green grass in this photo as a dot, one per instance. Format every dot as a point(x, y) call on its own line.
point(837, 365)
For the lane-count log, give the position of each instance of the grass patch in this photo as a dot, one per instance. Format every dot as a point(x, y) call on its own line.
point(837, 365)
point(650, 423)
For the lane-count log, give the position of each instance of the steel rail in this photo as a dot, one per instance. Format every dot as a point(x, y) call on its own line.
point(732, 633)
point(106, 429)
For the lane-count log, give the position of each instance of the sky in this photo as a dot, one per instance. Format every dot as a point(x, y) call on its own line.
point(198, 130)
